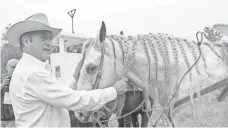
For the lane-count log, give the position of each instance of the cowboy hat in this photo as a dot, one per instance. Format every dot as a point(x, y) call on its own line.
point(222, 28)
point(36, 22)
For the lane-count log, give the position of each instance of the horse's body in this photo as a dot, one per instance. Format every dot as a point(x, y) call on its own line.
point(132, 102)
point(160, 61)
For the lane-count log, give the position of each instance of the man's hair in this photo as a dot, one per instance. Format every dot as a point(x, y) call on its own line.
point(12, 61)
point(23, 37)
point(29, 36)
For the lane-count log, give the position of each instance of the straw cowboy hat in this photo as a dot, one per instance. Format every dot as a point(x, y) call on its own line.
point(36, 22)
point(222, 28)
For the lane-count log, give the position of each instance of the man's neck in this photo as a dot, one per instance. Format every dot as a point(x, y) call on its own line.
point(33, 55)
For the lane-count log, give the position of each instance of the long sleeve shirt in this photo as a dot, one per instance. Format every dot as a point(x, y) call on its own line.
point(39, 99)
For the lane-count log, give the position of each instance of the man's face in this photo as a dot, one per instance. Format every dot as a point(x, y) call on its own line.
point(40, 45)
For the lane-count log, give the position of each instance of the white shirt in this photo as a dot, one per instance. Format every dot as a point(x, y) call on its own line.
point(39, 99)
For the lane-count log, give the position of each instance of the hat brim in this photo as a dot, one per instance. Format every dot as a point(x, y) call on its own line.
point(15, 32)
point(222, 28)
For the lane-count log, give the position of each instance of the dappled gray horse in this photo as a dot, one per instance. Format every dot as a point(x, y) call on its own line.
point(156, 63)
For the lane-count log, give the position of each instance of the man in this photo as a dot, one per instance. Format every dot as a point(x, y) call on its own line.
point(38, 98)
point(7, 115)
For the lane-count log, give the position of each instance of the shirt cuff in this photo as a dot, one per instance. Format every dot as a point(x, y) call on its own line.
point(110, 94)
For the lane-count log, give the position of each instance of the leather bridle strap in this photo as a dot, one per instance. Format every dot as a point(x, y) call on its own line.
point(99, 73)
point(79, 66)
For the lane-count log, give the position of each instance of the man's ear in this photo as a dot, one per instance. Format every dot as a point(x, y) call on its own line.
point(102, 34)
point(25, 41)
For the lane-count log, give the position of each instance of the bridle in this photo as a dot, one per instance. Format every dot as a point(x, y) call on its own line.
point(99, 73)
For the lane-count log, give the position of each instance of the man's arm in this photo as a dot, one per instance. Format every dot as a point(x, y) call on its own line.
point(72, 83)
point(52, 91)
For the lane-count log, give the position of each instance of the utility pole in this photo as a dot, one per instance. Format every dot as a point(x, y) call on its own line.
point(71, 14)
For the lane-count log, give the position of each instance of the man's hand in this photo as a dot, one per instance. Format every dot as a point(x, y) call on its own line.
point(6, 81)
point(121, 86)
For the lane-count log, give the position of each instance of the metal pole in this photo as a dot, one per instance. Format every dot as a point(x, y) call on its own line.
point(71, 14)
point(72, 25)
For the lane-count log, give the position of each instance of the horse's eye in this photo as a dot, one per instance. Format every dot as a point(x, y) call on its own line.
point(91, 69)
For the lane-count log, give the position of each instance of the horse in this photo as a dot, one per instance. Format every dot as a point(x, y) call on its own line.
point(160, 65)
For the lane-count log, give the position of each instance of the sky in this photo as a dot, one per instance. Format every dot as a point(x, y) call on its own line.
point(182, 18)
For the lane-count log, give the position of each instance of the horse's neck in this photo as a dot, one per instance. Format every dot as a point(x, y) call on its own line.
point(163, 60)
point(157, 57)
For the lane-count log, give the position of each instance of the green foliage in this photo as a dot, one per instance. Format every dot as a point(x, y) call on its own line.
point(212, 35)
point(8, 51)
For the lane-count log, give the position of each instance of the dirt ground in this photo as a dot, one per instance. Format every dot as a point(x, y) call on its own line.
point(211, 114)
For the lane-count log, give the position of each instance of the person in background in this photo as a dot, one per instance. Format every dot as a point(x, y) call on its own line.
point(7, 115)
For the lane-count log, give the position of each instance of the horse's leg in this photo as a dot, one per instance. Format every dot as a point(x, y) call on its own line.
point(134, 117)
point(168, 118)
point(145, 119)
point(146, 115)
point(127, 121)
point(120, 122)
point(147, 100)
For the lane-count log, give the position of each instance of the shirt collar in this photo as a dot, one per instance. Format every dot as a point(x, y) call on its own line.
point(33, 60)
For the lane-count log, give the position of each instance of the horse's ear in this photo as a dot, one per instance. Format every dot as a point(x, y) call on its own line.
point(102, 32)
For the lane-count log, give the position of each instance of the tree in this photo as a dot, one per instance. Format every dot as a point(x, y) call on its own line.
point(8, 51)
point(212, 35)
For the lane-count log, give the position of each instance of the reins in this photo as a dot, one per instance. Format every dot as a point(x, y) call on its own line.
point(199, 41)
point(122, 116)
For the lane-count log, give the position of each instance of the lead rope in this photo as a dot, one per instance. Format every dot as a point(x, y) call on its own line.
point(199, 42)
point(119, 117)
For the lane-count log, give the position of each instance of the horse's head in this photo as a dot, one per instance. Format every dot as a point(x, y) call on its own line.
point(92, 64)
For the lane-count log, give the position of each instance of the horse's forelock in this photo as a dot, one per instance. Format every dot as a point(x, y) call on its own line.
point(87, 44)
